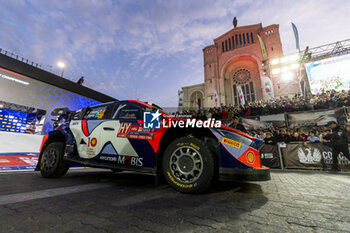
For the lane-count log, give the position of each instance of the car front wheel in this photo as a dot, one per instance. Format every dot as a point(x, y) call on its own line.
point(188, 165)
point(51, 162)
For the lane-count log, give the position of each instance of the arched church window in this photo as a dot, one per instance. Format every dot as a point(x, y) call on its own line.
point(247, 38)
point(223, 48)
point(251, 37)
point(241, 76)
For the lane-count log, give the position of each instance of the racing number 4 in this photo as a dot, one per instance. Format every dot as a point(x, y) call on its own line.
point(92, 142)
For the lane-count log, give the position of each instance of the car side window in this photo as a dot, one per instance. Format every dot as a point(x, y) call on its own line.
point(95, 113)
point(127, 111)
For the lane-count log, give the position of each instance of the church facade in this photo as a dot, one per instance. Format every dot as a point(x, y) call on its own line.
point(238, 62)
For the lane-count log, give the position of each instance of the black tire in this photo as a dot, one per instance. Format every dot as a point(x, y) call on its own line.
point(115, 170)
point(51, 162)
point(188, 165)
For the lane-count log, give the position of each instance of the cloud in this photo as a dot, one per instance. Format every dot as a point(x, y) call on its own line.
point(122, 46)
point(319, 22)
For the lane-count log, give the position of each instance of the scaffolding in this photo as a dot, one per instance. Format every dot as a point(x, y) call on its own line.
point(326, 51)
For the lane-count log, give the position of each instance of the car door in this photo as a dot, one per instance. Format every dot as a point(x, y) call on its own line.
point(86, 131)
point(123, 141)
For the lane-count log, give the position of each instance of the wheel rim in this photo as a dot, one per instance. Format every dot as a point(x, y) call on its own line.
point(50, 157)
point(186, 164)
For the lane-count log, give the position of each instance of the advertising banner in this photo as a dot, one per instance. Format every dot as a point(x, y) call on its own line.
point(269, 156)
point(18, 161)
point(315, 118)
point(254, 124)
point(264, 122)
point(312, 156)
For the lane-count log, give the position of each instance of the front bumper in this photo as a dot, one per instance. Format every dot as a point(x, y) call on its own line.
point(229, 174)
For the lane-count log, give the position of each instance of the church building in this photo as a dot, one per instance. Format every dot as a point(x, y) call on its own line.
point(238, 62)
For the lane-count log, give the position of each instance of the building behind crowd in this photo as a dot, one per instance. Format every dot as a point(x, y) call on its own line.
point(239, 58)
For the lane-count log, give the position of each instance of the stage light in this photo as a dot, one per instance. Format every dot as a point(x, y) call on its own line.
point(276, 71)
point(285, 69)
point(284, 59)
point(293, 57)
point(287, 76)
point(62, 66)
point(274, 61)
point(294, 66)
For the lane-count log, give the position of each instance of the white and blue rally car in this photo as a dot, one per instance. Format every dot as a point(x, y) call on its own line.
point(115, 136)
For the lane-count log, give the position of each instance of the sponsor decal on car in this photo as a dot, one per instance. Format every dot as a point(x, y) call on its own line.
point(250, 157)
point(179, 184)
point(91, 147)
point(127, 130)
point(124, 160)
point(194, 146)
point(231, 142)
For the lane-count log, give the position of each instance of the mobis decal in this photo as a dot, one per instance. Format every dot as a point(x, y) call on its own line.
point(124, 160)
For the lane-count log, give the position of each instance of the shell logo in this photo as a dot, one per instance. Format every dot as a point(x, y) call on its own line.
point(93, 142)
point(250, 157)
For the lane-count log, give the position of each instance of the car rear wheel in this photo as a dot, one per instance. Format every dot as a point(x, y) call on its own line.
point(51, 162)
point(188, 165)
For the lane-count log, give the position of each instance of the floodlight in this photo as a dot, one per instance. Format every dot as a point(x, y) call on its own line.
point(274, 61)
point(294, 66)
point(61, 64)
point(285, 69)
point(284, 59)
point(276, 71)
point(287, 76)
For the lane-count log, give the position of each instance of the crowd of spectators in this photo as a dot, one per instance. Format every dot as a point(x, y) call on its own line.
point(273, 135)
point(324, 100)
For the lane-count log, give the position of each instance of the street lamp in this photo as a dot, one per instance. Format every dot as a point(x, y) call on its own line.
point(62, 66)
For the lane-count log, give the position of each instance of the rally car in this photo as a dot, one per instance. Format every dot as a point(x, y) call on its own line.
point(137, 136)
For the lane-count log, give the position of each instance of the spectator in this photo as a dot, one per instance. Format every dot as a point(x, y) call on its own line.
point(296, 138)
point(236, 125)
point(312, 137)
point(283, 136)
point(261, 135)
point(269, 139)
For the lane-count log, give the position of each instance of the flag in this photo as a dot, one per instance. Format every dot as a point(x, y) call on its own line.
point(296, 35)
point(268, 87)
point(262, 45)
point(180, 94)
point(197, 100)
point(216, 98)
point(240, 94)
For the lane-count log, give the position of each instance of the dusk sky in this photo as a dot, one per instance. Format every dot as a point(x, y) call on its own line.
point(149, 49)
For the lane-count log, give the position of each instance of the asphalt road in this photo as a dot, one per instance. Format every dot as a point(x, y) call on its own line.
point(92, 200)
